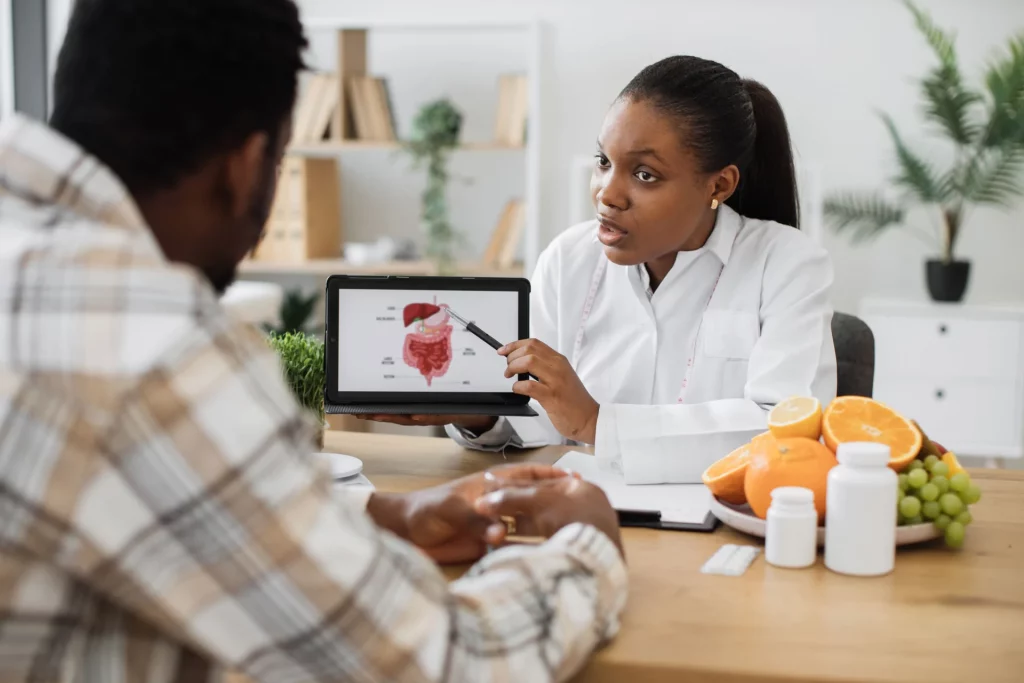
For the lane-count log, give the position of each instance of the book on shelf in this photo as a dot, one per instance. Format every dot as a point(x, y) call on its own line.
point(370, 104)
point(384, 93)
point(305, 217)
point(503, 248)
point(320, 121)
point(358, 106)
point(510, 123)
point(315, 110)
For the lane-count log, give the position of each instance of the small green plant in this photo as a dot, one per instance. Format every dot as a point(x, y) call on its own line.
point(302, 357)
point(296, 311)
point(435, 134)
point(985, 127)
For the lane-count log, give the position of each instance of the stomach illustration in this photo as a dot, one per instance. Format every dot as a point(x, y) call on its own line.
point(428, 347)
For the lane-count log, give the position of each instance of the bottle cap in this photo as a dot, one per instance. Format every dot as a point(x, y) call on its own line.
point(793, 495)
point(863, 454)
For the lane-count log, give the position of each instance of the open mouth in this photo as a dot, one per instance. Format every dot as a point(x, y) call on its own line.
point(609, 232)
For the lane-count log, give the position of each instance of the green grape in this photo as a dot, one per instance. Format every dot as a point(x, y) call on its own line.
point(915, 465)
point(951, 504)
point(941, 469)
point(930, 461)
point(955, 535)
point(917, 478)
point(917, 519)
point(904, 484)
point(972, 495)
point(942, 483)
point(965, 517)
point(959, 482)
point(911, 506)
point(942, 521)
point(931, 510)
point(929, 492)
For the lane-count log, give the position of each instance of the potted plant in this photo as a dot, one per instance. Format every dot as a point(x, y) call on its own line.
point(296, 311)
point(435, 133)
point(302, 358)
point(985, 128)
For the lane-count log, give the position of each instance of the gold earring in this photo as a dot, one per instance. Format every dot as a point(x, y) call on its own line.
point(714, 204)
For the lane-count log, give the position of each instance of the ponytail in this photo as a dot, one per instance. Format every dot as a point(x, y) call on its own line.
point(767, 189)
point(729, 121)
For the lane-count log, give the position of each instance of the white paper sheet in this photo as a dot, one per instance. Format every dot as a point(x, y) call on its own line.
point(680, 503)
point(676, 443)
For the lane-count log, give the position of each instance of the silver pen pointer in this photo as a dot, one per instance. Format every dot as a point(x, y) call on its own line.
point(480, 334)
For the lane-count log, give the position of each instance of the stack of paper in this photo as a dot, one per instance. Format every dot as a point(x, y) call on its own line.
point(677, 503)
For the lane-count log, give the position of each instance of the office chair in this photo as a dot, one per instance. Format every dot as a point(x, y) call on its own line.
point(855, 355)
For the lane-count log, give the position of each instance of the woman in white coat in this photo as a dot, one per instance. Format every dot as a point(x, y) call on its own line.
point(666, 328)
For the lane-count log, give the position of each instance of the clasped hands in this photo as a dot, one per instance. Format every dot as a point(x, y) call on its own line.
point(568, 404)
point(456, 522)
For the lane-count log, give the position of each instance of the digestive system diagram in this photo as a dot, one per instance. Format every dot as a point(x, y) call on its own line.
point(428, 347)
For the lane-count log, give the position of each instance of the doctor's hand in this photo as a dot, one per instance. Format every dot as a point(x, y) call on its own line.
point(573, 411)
point(444, 521)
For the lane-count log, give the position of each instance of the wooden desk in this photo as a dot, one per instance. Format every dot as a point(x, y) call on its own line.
point(941, 616)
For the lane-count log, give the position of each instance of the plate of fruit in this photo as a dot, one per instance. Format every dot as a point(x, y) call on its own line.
point(934, 493)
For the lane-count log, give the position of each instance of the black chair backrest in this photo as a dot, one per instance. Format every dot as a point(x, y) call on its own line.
point(855, 355)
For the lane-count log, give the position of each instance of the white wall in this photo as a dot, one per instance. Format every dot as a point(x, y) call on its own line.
point(832, 65)
point(57, 14)
point(6, 60)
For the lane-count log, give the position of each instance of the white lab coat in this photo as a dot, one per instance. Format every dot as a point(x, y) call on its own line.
point(751, 308)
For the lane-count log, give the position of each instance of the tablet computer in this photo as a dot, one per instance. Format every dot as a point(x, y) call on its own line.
point(392, 347)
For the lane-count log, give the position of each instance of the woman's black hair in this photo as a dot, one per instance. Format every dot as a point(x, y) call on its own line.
point(728, 120)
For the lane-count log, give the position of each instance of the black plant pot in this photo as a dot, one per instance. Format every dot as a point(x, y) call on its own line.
point(948, 281)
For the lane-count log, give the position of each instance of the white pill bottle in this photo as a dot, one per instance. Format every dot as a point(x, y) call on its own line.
point(791, 528)
point(860, 521)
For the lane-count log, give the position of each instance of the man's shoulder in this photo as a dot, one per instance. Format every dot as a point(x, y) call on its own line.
point(94, 299)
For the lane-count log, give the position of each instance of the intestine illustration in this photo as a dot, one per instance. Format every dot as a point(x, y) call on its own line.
point(428, 348)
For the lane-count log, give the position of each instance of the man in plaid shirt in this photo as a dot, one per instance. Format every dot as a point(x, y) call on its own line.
point(160, 518)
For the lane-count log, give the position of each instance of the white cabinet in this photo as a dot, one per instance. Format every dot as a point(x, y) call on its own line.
point(957, 370)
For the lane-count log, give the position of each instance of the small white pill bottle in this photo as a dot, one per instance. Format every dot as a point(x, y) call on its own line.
point(791, 529)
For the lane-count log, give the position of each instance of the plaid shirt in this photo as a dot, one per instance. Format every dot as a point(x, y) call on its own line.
point(160, 519)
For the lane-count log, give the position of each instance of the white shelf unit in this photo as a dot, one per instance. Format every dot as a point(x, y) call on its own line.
point(956, 369)
point(531, 31)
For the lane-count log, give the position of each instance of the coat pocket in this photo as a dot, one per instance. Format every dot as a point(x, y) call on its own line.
point(730, 334)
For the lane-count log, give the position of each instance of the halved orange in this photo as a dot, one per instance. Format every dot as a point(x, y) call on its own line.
point(797, 417)
point(855, 418)
point(725, 477)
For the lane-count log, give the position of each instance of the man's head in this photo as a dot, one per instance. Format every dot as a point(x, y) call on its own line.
point(189, 102)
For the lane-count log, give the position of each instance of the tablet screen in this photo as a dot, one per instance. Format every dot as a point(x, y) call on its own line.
point(394, 340)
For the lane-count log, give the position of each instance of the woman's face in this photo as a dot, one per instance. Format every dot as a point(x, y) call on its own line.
point(651, 196)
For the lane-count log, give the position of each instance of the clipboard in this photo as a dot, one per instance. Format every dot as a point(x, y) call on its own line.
point(672, 507)
point(655, 520)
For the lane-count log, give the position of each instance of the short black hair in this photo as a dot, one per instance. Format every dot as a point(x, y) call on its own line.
point(154, 88)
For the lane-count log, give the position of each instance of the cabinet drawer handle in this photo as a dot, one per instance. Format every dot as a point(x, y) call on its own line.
point(943, 329)
point(940, 394)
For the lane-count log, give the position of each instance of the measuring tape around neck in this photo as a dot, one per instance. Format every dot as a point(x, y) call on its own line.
point(588, 306)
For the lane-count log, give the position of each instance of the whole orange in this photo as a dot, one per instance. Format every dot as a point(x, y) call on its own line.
point(786, 462)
